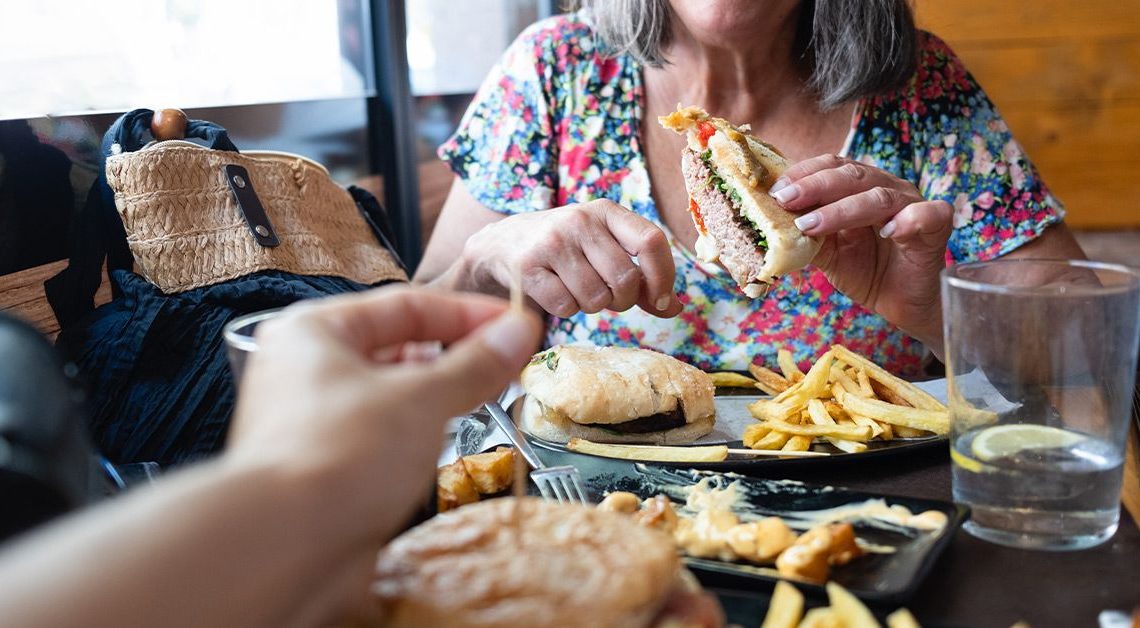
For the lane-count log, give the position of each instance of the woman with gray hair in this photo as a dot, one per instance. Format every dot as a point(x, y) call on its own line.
point(904, 165)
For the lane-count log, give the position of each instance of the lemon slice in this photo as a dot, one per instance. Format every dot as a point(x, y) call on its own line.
point(1006, 440)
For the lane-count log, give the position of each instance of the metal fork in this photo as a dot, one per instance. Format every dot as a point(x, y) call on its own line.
point(563, 483)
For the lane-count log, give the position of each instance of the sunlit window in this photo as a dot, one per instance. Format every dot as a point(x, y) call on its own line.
point(64, 57)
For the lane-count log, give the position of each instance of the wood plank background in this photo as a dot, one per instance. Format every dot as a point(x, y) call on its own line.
point(1066, 77)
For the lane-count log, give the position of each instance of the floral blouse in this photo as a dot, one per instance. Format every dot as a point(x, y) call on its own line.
point(557, 122)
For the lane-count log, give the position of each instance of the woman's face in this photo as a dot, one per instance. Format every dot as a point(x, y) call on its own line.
point(724, 21)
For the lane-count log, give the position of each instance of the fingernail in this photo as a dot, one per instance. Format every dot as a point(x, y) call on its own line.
point(786, 193)
point(509, 336)
point(663, 303)
point(780, 184)
point(887, 230)
point(807, 221)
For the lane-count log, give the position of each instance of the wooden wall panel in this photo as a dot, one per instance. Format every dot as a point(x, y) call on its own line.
point(1066, 77)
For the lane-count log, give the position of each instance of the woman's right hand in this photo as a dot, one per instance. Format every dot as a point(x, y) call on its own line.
point(589, 257)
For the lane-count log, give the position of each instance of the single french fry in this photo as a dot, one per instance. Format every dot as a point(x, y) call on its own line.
point(876, 428)
point(844, 381)
point(888, 430)
point(772, 410)
point(813, 384)
point(726, 379)
point(902, 431)
point(798, 443)
point(768, 380)
point(865, 384)
point(835, 410)
point(773, 440)
point(888, 395)
point(821, 617)
point(902, 619)
point(785, 607)
point(788, 366)
point(853, 613)
point(849, 432)
point(753, 433)
point(655, 453)
point(914, 395)
point(929, 420)
point(817, 412)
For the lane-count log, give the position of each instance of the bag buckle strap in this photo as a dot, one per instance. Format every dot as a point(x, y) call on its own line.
point(251, 209)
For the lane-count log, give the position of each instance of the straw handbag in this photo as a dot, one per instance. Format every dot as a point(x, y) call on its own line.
point(194, 234)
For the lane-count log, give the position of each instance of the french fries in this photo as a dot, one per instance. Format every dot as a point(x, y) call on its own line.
point(843, 399)
point(786, 610)
point(727, 379)
point(654, 453)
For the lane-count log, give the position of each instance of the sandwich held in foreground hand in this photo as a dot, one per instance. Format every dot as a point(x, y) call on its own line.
point(530, 562)
point(615, 395)
point(728, 174)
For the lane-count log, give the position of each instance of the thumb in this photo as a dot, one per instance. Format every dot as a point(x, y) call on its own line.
point(478, 367)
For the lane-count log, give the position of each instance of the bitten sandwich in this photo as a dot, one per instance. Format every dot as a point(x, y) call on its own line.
point(728, 174)
point(615, 395)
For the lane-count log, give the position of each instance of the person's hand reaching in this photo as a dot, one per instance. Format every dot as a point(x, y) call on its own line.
point(328, 395)
point(587, 257)
point(883, 244)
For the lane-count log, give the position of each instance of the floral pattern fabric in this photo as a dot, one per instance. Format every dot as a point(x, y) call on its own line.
point(557, 122)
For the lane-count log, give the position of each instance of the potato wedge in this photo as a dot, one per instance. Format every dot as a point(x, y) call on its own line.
point(654, 453)
point(491, 472)
point(453, 487)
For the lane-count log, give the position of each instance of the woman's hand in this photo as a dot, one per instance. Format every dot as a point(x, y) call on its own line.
point(883, 244)
point(576, 258)
point(328, 396)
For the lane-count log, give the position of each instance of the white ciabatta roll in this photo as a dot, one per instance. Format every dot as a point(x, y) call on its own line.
point(615, 395)
point(728, 174)
point(530, 562)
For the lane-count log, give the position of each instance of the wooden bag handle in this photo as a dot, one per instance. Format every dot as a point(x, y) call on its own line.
point(168, 124)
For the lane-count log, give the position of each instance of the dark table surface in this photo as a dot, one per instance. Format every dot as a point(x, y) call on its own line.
point(975, 583)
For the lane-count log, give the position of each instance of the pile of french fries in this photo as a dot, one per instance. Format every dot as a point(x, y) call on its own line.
point(844, 399)
point(786, 610)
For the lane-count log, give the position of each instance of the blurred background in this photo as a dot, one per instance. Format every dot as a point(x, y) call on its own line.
point(371, 87)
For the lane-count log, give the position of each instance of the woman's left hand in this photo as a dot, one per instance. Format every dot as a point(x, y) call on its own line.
point(883, 243)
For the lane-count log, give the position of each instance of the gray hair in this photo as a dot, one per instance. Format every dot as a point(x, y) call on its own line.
point(853, 48)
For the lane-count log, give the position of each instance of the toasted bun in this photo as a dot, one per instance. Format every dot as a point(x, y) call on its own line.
point(537, 420)
point(750, 167)
point(526, 562)
point(607, 385)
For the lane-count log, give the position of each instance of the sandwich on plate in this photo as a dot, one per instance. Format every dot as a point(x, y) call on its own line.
point(529, 562)
point(615, 395)
point(728, 173)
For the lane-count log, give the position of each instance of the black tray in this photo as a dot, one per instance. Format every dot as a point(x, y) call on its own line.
point(875, 577)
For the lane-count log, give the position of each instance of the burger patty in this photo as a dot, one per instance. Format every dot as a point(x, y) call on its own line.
point(734, 234)
point(653, 423)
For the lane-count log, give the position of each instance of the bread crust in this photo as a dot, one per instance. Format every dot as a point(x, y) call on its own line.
point(540, 422)
point(526, 562)
point(607, 385)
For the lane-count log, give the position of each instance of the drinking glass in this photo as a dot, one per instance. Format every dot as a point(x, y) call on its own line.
point(1041, 362)
point(240, 340)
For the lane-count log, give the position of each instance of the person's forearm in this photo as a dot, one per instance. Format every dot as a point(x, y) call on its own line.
point(213, 545)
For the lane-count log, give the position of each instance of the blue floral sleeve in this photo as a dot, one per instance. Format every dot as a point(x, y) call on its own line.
point(969, 159)
point(505, 149)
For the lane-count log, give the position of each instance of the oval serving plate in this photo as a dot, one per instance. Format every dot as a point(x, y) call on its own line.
point(733, 416)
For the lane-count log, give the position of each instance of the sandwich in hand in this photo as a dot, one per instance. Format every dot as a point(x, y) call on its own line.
point(728, 174)
point(529, 562)
point(615, 395)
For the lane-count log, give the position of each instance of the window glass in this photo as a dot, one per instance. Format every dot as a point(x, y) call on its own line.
point(62, 57)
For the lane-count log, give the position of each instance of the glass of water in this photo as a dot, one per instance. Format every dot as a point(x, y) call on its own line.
point(240, 339)
point(1041, 362)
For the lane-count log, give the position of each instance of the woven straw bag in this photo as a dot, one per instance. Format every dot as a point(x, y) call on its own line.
point(189, 223)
